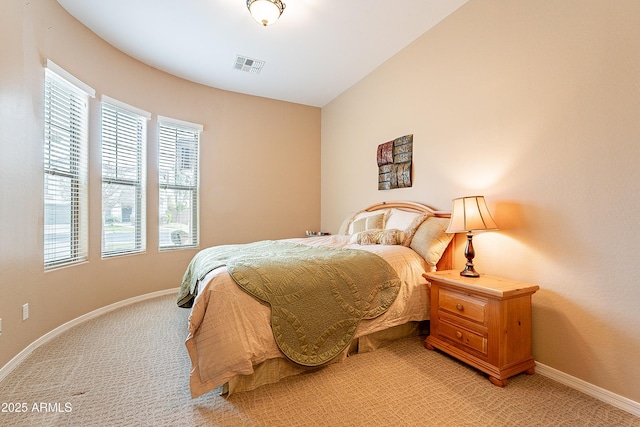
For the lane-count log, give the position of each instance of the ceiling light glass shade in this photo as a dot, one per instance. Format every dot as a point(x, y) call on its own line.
point(266, 12)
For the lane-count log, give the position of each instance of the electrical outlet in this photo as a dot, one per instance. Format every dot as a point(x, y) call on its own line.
point(25, 311)
point(0, 325)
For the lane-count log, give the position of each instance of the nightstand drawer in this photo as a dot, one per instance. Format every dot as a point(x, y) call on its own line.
point(463, 336)
point(464, 305)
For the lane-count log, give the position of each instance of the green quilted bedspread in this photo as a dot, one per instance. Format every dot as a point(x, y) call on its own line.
point(318, 295)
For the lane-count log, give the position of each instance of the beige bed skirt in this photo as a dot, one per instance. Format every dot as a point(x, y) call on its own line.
point(273, 370)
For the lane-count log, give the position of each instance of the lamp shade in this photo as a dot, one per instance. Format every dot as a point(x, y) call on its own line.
point(470, 214)
point(266, 12)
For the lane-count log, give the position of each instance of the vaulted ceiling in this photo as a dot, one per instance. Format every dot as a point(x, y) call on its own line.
point(317, 50)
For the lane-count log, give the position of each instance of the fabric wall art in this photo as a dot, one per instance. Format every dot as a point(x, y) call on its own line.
point(394, 163)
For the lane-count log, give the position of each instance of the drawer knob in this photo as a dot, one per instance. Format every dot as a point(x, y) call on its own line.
point(459, 307)
point(459, 334)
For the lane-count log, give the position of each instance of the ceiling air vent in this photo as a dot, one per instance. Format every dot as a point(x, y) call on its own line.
point(248, 64)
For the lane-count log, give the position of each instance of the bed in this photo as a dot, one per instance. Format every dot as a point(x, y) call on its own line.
point(243, 335)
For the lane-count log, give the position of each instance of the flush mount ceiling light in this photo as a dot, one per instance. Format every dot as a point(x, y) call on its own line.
point(266, 12)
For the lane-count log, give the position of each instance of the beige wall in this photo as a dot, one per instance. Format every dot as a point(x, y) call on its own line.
point(536, 105)
point(259, 179)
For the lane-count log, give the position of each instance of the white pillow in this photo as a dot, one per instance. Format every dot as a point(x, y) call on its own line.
point(405, 221)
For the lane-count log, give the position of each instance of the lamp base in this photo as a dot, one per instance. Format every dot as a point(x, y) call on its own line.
point(469, 253)
point(469, 271)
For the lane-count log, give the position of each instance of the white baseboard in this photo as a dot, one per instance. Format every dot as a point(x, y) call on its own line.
point(589, 389)
point(20, 357)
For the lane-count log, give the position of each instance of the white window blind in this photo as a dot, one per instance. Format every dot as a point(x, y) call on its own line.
point(124, 131)
point(66, 117)
point(178, 179)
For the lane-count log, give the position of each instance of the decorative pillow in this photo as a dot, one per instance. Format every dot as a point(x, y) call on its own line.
point(391, 237)
point(378, 237)
point(405, 221)
point(371, 220)
point(344, 227)
point(431, 239)
point(369, 237)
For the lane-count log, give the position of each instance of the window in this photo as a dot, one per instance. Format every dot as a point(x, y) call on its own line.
point(66, 118)
point(124, 135)
point(178, 178)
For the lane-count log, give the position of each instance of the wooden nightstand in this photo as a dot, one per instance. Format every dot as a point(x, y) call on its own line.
point(483, 321)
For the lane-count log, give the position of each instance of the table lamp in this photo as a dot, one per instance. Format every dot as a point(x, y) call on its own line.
point(470, 214)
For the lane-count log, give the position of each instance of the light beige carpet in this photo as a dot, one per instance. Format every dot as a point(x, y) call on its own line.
point(130, 368)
